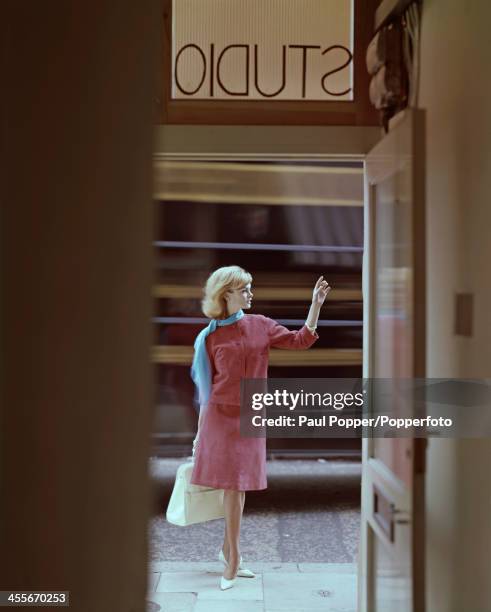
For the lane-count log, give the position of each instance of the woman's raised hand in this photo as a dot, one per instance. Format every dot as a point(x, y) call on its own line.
point(321, 290)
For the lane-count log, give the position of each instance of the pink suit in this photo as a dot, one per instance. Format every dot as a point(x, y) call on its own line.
point(224, 459)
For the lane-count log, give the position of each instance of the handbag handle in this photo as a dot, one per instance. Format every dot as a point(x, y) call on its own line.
point(195, 444)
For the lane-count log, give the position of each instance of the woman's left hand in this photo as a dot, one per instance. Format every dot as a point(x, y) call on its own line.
point(321, 290)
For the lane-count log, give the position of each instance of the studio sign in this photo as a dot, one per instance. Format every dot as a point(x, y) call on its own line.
point(207, 68)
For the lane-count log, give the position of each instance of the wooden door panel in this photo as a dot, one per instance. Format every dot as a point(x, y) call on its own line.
point(392, 542)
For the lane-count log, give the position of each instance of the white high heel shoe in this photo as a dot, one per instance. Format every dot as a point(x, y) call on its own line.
point(242, 572)
point(227, 584)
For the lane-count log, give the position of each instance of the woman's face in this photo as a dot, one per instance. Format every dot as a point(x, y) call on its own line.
point(241, 297)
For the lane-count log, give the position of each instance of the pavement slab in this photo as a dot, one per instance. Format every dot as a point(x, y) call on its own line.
point(171, 602)
point(153, 578)
point(218, 605)
point(329, 568)
point(310, 591)
point(277, 587)
point(207, 585)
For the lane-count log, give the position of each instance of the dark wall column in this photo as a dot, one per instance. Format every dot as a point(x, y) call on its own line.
point(76, 276)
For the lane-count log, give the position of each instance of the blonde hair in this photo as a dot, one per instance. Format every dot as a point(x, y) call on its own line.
point(219, 282)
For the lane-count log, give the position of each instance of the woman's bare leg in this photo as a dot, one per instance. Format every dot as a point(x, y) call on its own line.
point(233, 502)
point(226, 547)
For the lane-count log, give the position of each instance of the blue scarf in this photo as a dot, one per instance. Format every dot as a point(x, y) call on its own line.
point(201, 368)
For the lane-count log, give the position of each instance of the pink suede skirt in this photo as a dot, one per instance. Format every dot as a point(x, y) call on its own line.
point(223, 458)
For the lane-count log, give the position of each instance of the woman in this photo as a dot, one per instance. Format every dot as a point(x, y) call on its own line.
point(235, 346)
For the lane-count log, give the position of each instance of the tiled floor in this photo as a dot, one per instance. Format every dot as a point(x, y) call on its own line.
point(277, 587)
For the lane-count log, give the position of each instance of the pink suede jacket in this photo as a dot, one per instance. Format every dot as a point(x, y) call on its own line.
point(241, 350)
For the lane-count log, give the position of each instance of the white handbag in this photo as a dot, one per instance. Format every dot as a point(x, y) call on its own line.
point(190, 503)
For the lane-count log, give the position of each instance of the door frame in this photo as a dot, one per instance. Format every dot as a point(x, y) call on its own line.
point(416, 121)
point(287, 143)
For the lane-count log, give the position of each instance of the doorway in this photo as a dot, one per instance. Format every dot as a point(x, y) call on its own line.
point(286, 221)
point(390, 558)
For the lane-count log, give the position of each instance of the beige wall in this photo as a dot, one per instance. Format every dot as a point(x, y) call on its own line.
point(456, 93)
point(264, 140)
